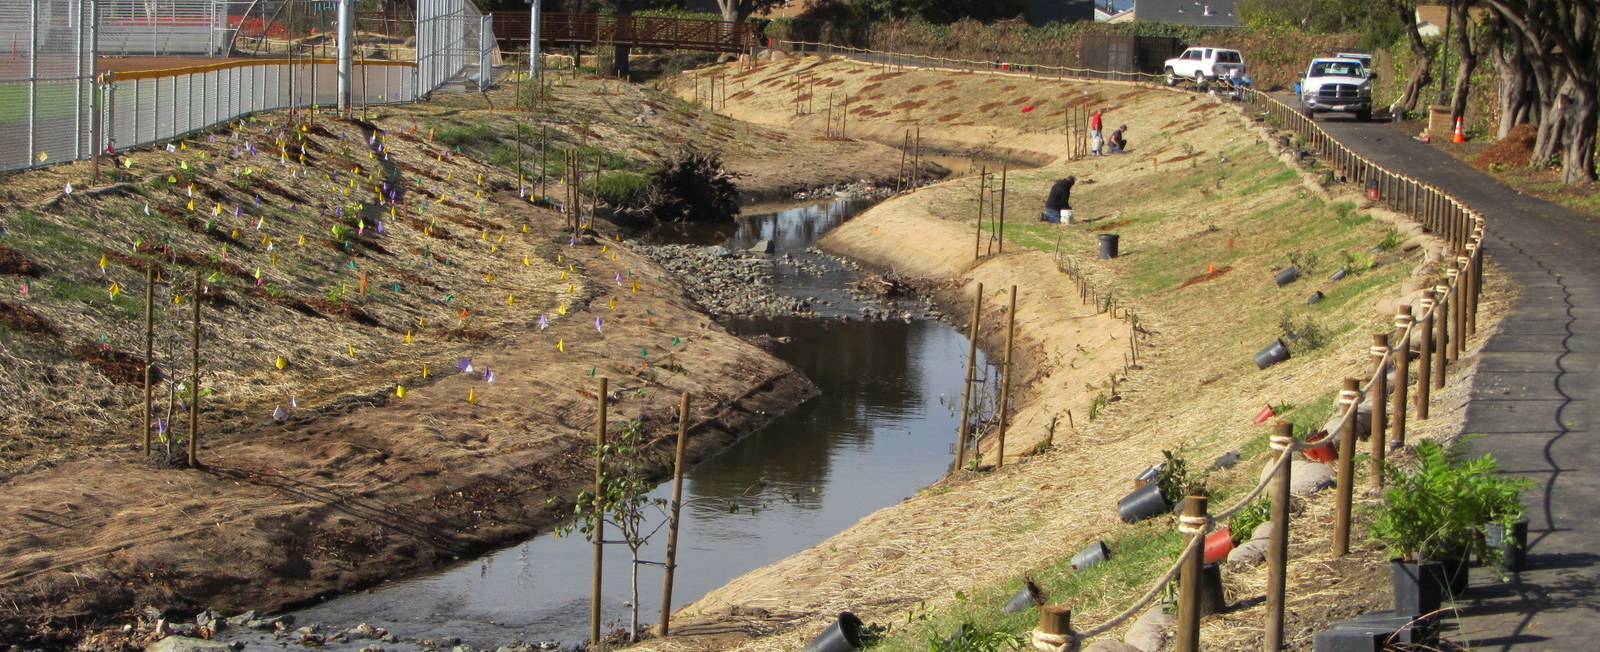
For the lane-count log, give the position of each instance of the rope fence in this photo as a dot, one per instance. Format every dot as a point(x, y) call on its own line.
point(1432, 332)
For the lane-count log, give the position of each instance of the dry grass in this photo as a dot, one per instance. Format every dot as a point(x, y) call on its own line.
point(1230, 202)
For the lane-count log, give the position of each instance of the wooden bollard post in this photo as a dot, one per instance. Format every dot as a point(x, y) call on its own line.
point(1000, 231)
point(1379, 392)
point(1193, 524)
point(1348, 398)
point(194, 383)
point(1005, 380)
point(1457, 277)
point(1443, 305)
point(599, 522)
point(672, 517)
point(1425, 353)
point(1477, 277)
point(966, 386)
point(1055, 626)
point(1278, 545)
point(149, 348)
point(1402, 366)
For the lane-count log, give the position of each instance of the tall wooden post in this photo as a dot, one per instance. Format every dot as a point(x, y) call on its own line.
point(1278, 545)
point(1425, 353)
point(1193, 524)
point(194, 383)
point(1005, 382)
point(1348, 398)
point(1402, 368)
point(1379, 425)
point(1455, 276)
point(977, 241)
point(1001, 233)
point(149, 349)
point(1444, 304)
point(966, 388)
point(672, 522)
point(599, 522)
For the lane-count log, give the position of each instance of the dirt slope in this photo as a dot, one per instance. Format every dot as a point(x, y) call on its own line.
point(1207, 212)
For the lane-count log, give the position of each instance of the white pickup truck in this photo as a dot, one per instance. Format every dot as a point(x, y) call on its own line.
point(1337, 84)
point(1205, 64)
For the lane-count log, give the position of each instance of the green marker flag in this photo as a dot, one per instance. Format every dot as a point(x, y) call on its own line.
point(591, 372)
point(394, 287)
point(676, 341)
point(644, 353)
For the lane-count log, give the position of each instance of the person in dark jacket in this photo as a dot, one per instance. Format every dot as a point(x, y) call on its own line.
point(1058, 205)
point(1119, 142)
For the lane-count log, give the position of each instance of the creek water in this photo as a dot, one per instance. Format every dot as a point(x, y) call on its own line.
point(879, 432)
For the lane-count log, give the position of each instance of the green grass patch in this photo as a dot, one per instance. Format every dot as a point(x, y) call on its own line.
point(1138, 555)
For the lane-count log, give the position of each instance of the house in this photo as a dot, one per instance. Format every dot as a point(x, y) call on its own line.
point(1205, 13)
point(1040, 12)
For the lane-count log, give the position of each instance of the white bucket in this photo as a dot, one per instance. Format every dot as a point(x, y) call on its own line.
point(1066, 216)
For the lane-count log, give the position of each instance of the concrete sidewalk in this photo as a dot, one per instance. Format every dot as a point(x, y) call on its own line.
point(1533, 401)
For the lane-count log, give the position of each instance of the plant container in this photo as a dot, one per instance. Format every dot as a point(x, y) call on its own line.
point(843, 635)
point(1321, 448)
point(1030, 595)
point(1286, 275)
point(1108, 245)
point(1513, 548)
point(1096, 552)
point(1218, 545)
point(1275, 352)
point(1420, 587)
point(1212, 598)
point(1143, 503)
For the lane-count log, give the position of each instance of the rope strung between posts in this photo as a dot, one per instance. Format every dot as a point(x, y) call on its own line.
point(1198, 527)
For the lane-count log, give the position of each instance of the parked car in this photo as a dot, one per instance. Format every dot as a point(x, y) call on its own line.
point(1205, 64)
point(1336, 84)
point(1364, 58)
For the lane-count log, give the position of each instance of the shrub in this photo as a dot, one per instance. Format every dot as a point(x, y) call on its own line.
point(622, 189)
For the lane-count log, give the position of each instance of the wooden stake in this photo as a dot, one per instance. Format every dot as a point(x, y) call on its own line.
point(966, 390)
point(599, 521)
point(149, 348)
point(1443, 305)
point(1194, 507)
point(1005, 380)
point(1425, 355)
point(677, 506)
point(977, 242)
point(1402, 367)
point(194, 384)
point(1001, 233)
point(1379, 426)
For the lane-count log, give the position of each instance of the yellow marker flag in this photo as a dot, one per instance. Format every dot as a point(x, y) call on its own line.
point(572, 289)
point(636, 287)
point(280, 362)
point(488, 278)
point(502, 239)
point(613, 303)
point(421, 322)
point(524, 228)
point(605, 248)
point(558, 258)
point(561, 345)
point(511, 299)
point(483, 235)
point(408, 337)
point(613, 255)
point(190, 205)
point(494, 248)
point(425, 373)
point(526, 262)
point(400, 391)
point(561, 309)
point(104, 262)
point(563, 276)
point(274, 259)
point(571, 267)
point(472, 395)
point(115, 290)
point(302, 239)
point(352, 349)
point(235, 233)
point(216, 209)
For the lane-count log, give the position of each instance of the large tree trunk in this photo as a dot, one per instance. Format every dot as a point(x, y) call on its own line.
point(1516, 87)
point(1420, 74)
point(1467, 57)
point(1577, 158)
point(1560, 36)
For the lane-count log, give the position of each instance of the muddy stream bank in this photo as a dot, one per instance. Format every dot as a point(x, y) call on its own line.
point(880, 431)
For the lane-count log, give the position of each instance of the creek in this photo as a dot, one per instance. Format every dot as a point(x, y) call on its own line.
point(879, 432)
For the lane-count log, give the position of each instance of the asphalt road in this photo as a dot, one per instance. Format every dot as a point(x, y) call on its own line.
point(1534, 399)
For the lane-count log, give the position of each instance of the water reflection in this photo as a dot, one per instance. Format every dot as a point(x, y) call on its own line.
point(878, 432)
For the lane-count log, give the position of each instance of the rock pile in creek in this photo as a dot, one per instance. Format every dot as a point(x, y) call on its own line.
point(725, 282)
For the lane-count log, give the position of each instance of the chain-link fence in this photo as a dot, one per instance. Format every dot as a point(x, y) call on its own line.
point(78, 76)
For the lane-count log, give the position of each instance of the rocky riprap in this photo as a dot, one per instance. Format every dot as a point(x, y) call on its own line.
point(727, 282)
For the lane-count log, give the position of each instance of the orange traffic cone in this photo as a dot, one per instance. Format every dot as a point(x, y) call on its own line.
point(1459, 137)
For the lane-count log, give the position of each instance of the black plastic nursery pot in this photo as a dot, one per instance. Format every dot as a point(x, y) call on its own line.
point(1420, 588)
point(1274, 353)
point(1212, 598)
point(1513, 547)
point(1286, 275)
point(1096, 552)
point(1143, 503)
point(1030, 595)
point(1108, 245)
point(843, 635)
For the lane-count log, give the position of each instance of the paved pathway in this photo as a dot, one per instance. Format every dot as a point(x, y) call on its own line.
point(1534, 400)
